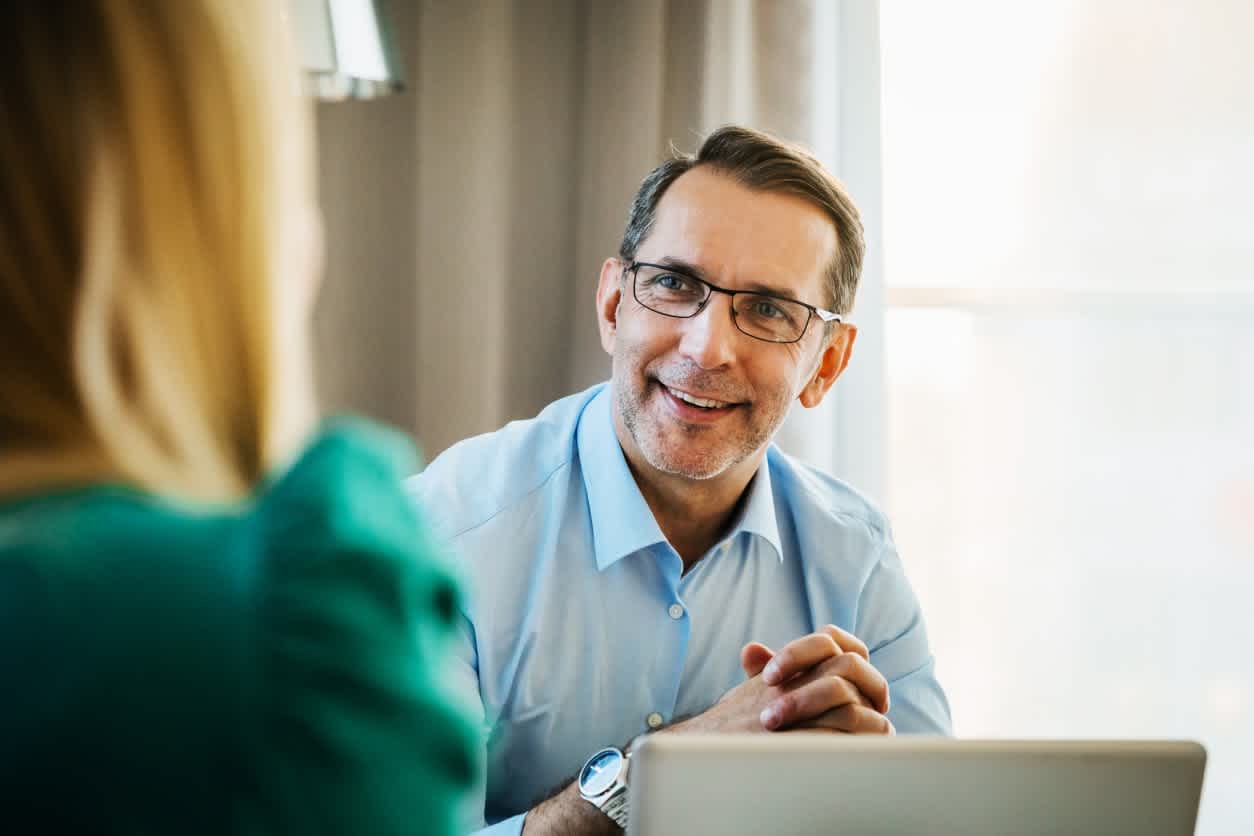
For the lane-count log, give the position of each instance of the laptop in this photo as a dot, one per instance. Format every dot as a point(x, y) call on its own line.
point(824, 783)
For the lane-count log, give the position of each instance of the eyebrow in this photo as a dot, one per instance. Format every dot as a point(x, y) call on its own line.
point(681, 266)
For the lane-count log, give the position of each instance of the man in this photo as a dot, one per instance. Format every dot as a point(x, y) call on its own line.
point(641, 557)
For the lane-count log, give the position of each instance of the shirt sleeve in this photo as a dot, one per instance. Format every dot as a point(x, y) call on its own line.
point(891, 622)
point(464, 682)
point(357, 729)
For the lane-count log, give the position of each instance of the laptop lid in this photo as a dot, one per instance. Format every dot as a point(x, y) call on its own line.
point(824, 783)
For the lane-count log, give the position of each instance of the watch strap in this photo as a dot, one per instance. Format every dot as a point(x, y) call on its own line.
point(616, 807)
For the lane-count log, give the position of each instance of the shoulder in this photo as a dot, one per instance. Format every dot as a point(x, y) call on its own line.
point(78, 539)
point(347, 559)
point(336, 534)
point(317, 604)
point(479, 478)
point(344, 491)
point(134, 561)
point(336, 520)
point(818, 499)
point(338, 489)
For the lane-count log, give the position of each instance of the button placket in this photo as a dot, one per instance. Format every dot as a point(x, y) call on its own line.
point(664, 691)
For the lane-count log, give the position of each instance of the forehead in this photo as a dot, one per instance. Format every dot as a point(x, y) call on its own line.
point(741, 236)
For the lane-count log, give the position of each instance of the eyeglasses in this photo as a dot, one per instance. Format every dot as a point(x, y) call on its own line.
point(763, 316)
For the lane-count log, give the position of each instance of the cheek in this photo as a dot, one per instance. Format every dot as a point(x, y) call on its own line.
point(802, 367)
point(629, 360)
point(638, 343)
point(782, 374)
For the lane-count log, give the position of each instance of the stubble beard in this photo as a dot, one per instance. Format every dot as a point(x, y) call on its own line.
point(697, 453)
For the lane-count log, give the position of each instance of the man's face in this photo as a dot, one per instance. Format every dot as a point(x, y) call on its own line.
point(737, 238)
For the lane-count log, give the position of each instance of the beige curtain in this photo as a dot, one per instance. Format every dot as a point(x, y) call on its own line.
point(467, 219)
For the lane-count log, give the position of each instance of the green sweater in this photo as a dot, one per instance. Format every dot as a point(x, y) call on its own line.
point(272, 668)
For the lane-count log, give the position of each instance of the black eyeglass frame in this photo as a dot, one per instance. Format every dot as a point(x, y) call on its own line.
point(824, 315)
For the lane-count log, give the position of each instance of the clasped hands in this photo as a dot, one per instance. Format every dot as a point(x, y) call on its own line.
point(823, 681)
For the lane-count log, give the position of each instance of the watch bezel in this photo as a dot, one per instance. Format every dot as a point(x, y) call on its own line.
point(605, 783)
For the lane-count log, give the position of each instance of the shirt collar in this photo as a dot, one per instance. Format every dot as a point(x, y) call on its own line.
point(758, 514)
point(622, 522)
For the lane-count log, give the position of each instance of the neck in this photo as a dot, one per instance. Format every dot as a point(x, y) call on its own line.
point(693, 514)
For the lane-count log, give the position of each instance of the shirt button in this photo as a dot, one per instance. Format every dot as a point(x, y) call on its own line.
point(654, 720)
point(676, 611)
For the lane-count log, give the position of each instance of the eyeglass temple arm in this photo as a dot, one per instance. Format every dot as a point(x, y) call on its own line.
point(828, 316)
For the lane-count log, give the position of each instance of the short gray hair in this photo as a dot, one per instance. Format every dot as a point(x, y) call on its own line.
point(761, 161)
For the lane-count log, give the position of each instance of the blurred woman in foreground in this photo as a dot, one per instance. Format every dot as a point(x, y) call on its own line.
point(212, 619)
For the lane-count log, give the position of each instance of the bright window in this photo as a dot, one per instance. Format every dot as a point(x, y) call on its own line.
point(1069, 261)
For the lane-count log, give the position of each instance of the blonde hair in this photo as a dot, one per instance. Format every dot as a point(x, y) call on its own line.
point(155, 184)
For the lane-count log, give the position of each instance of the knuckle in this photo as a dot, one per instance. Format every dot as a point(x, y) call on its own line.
point(826, 668)
point(841, 692)
point(819, 646)
point(846, 664)
point(835, 634)
point(821, 634)
point(806, 703)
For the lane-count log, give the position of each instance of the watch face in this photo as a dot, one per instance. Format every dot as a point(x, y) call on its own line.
point(599, 773)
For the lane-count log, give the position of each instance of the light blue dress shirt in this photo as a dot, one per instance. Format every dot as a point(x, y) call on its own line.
point(582, 632)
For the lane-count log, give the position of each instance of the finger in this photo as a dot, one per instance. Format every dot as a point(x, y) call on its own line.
point(862, 674)
point(809, 701)
point(851, 719)
point(753, 658)
point(799, 656)
point(847, 642)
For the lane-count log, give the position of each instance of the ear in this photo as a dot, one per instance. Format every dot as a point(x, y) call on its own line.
point(609, 295)
point(832, 362)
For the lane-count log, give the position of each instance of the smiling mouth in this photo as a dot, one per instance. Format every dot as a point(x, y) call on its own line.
point(700, 403)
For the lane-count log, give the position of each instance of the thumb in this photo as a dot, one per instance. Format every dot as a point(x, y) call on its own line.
point(753, 658)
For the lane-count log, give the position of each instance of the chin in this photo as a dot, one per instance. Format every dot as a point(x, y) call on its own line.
point(695, 466)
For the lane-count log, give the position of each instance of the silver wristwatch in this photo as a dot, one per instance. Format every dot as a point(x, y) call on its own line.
point(603, 783)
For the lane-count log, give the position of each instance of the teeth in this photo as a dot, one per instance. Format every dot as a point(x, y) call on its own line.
point(702, 402)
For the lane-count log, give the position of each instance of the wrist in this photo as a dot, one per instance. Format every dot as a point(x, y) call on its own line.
point(567, 812)
point(603, 783)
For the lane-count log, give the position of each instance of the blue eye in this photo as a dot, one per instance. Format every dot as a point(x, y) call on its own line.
point(675, 283)
point(763, 308)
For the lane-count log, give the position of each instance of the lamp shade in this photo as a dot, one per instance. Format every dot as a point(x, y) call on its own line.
point(346, 48)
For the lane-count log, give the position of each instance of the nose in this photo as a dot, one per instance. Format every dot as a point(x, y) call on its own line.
point(709, 337)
